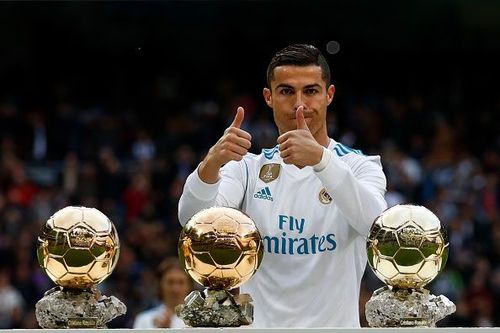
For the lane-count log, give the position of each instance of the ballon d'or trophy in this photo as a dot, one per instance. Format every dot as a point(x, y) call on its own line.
point(78, 248)
point(407, 248)
point(220, 248)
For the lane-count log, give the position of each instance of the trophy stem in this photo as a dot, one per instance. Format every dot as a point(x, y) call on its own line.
point(216, 308)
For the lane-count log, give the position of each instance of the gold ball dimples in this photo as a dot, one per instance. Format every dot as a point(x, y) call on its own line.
point(78, 247)
point(220, 248)
point(407, 246)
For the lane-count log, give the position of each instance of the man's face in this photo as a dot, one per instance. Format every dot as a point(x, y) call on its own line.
point(294, 86)
point(175, 286)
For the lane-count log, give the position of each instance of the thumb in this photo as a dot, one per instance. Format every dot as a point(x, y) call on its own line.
point(238, 119)
point(299, 116)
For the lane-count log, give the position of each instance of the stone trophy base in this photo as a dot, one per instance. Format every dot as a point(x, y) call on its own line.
point(216, 308)
point(406, 308)
point(73, 308)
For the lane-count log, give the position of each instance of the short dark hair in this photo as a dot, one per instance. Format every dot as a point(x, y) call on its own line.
point(299, 55)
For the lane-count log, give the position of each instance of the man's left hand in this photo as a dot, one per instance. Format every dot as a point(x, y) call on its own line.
point(298, 147)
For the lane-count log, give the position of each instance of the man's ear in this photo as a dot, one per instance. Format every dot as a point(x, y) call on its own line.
point(330, 93)
point(268, 97)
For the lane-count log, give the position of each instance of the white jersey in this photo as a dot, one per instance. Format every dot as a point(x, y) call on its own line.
point(314, 227)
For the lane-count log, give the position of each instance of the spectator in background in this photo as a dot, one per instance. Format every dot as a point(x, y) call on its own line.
point(143, 148)
point(174, 285)
point(11, 302)
point(137, 195)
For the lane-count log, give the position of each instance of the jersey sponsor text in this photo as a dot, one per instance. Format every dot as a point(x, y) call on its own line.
point(286, 244)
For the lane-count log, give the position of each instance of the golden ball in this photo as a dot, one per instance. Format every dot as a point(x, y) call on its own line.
point(220, 248)
point(407, 246)
point(78, 247)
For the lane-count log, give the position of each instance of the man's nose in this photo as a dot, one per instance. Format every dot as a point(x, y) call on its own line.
point(299, 101)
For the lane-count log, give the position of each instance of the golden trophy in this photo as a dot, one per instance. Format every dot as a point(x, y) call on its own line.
point(220, 248)
point(78, 248)
point(407, 248)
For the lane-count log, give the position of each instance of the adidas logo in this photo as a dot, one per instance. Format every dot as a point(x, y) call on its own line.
point(265, 194)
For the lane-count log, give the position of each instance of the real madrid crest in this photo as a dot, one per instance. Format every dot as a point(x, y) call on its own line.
point(324, 197)
point(269, 172)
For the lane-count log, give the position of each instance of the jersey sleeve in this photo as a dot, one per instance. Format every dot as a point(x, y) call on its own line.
point(229, 191)
point(358, 188)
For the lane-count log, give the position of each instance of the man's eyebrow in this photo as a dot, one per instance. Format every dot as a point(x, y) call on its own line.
point(284, 85)
point(314, 85)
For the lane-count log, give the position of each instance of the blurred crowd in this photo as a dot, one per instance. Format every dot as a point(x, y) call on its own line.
point(132, 166)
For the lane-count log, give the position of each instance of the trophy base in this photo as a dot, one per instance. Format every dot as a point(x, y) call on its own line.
point(216, 308)
point(406, 308)
point(73, 308)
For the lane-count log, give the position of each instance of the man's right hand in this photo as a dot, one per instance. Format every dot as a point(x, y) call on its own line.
point(232, 146)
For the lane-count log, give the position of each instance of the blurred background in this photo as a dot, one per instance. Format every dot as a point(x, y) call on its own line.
point(111, 105)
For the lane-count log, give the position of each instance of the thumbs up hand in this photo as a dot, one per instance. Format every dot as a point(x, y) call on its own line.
point(298, 147)
point(232, 146)
point(238, 119)
point(301, 121)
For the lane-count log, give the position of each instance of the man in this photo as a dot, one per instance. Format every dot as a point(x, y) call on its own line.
point(174, 285)
point(312, 198)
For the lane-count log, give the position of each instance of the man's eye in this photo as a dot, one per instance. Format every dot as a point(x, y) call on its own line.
point(311, 91)
point(286, 91)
